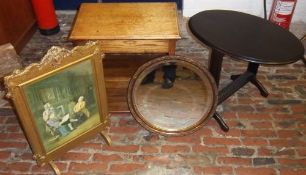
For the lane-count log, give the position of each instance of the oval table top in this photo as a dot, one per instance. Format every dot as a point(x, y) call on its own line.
point(246, 37)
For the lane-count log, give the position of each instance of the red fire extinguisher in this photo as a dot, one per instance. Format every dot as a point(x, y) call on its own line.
point(281, 12)
point(46, 17)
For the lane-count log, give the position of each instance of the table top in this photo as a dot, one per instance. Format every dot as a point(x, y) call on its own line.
point(126, 21)
point(246, 37)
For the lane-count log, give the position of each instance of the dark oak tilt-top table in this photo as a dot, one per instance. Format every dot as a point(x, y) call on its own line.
point(244, 37)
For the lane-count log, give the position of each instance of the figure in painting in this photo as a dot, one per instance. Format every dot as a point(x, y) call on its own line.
point(81, 112)
point(54, 124)
point(60, 124)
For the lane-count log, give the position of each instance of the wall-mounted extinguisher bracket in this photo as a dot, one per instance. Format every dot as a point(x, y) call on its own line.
point(46, 17)
point(282, 12)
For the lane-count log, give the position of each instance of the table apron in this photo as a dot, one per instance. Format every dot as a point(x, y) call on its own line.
point(135, 46)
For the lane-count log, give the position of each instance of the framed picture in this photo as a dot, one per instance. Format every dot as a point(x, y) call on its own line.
point(61, 101)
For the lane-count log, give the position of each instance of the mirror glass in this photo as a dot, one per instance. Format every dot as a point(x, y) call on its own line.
point(172, 95)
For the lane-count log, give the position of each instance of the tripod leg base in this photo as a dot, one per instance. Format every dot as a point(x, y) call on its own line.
point(260, 87)
point(234, 77)
point(221, 122)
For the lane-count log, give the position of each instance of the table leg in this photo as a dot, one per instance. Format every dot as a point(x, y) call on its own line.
point(253, 68)
point(215, 66)
point(221, 122)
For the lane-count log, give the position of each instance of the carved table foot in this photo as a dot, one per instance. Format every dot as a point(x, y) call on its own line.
point(221, 122)
point(260, 87)
point(106, 138)
point(55, 168)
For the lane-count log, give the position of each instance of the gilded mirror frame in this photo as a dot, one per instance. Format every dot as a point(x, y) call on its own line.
point(187, 62)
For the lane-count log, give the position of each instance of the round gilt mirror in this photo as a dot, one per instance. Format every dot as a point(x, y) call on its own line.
point(172, 95)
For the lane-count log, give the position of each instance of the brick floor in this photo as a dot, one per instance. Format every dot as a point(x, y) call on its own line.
point(267, 135)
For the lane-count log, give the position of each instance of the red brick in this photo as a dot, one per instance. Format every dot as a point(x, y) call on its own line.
point(152, 138)
point(265, 152)
point(149, 149)
point(174, 149)
point(212, 149)
point(258, 133)
point(126, 168)
point(3, 136)
point(213, 170)
point(5, 155)
point(262, 125)
point(302, 125)
point(198, 170)
point(27, 156)
point(292, 171)
point(211, 123)
point(122, 148)
point(161, 159)
point(231, 133)
point(254, 142)
point(252, 116)
point(76, 156)
point(203, 131)
point(301, 152)
point(287, 143)
point(13, 128)
point(184, 139)
point(19, 166)
point(12, 120)
point(3, 119)
point(246, 101)
point(88, 167)
point(106, 158)
point(16, 136)
point(285, 153)
point(221, 141)
point(298, 108)
point(124, 130)
point(272, 152)
point(262, 170)
point(19, 145)
point(44, 169)
point(234, 161)
point(292, 162)
point(271, 109)
point(289, 133)
point(230, 115)
point(280, 117)
point(87, 145)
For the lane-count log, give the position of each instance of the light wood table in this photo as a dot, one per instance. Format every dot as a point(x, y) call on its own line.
point(145, 29)
point(128, 27)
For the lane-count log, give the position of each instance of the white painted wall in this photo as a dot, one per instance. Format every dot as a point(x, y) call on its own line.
point(254, 7)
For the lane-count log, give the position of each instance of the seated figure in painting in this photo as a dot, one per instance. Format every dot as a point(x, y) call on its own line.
point(81, 112)
point(54, 124)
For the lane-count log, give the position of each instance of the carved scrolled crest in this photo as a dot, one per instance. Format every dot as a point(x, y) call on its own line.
point(55, 58)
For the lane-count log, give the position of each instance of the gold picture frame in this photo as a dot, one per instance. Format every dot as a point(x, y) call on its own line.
point(61, 101)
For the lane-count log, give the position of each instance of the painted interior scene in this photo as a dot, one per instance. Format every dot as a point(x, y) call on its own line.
point(64, 104)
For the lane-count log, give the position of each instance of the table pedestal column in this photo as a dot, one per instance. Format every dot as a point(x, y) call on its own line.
point(215, 66)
